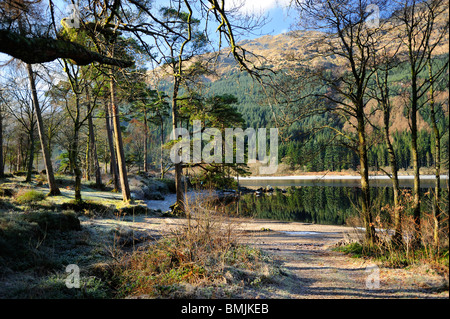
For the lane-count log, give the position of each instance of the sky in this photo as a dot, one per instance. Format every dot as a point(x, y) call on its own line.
point(278, 20)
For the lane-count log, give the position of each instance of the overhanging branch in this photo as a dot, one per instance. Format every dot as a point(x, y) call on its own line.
point(40, 50)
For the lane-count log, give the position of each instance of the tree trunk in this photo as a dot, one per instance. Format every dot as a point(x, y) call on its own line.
point(118, 142)
point(178, 166)
point(31, 153)
point(76, 168)
point(53, 188)
point(73, 154)
point(92, 144)
point(161, 163)
point(93, 149)
point(114, 168)
point(2, 166)
point(88, 164)
point(437, 159)
point(398, 235)
point(370, 236)
point(145, 141)
point(415, 160)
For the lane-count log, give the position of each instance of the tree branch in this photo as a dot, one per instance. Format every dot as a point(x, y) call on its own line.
point(40, 50)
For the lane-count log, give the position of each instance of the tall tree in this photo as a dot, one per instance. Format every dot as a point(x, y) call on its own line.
point(124, 186)
point(182, 47)
point(419, 36)
point(53, 187)
point(2, 166)
point(346, 34)
point(20, 106)
point(438, 126)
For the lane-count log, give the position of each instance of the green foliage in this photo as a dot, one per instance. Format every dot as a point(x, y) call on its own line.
point(354, 249)
point(29, 196)
point(318, 150)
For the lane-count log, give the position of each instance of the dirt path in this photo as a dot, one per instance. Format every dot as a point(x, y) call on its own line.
point(316, 271)
point(310, 268)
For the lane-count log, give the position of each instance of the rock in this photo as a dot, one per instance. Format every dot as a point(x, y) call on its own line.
point(64, 221)
point(147, 188)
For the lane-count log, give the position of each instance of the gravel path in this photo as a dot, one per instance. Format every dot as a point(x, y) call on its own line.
point(316, 271)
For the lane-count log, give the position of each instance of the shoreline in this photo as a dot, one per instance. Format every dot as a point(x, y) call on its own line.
point(337, 177)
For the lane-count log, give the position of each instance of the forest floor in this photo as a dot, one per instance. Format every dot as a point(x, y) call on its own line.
point(303, 254)
point(310, 267)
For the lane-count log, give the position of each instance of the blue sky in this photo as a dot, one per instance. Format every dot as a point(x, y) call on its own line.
point(278, 20)
point(279, 16)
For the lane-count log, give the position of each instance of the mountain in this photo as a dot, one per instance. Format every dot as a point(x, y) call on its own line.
point(284, 52)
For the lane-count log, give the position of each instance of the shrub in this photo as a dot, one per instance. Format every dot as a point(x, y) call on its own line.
point(170, 184)
point(64, 221)
point(29, 196)
point(194, 259)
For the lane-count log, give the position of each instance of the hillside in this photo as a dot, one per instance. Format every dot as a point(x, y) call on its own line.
point(288, 51)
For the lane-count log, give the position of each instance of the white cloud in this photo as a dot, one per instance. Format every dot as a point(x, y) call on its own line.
point(258, 6)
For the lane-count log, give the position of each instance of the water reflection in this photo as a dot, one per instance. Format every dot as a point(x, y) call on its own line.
point(426, 181)
point(314, 204)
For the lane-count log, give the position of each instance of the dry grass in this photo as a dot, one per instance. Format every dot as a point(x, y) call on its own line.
point(395, 254)
point(200, 259)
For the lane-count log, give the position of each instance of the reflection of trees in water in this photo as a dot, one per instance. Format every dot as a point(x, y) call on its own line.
point(313, 204)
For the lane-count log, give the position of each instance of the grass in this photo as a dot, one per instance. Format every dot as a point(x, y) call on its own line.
point(29, 196)
point(404, 253)
point(40, 235)
point(201, 259)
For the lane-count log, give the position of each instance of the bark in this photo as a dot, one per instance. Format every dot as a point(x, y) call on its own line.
point(119, 143)
point(145, 141)
point(386, 106)
point(73, 153)
point(415, 157)
point(93, 152)
point(162, 149)
point(53, 188)
point(40, 50)
point(114, 168)
point(178, 166)
point(88, 164)
point(395, 183)
point(31, 153)
point(93, 145)
point(370, 235)
point(2, 166)
point(437, 159)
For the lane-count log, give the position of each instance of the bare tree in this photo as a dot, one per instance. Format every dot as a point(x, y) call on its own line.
point(385, 62)
point(53, 187)
point(342, 30)
point(419, 35)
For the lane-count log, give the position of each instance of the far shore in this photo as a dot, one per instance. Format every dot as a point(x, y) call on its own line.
point(326, 176)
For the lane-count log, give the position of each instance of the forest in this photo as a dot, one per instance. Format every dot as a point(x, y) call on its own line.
point(90, 98)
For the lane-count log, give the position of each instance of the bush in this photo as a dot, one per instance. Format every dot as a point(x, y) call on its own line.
point(170, 184)
point(196, 259)
point(47, 221)
point(28, 197)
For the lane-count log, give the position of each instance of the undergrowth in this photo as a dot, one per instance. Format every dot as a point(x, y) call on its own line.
point(200, 259)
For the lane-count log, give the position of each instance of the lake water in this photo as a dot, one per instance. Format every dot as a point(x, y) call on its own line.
point(321, 199)
point(426, 181)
